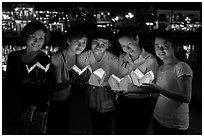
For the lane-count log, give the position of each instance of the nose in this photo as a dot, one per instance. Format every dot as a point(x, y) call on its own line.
point(79, 44)
point(98, 45)
point(127, 48)
point(161, 48)
point(35, 40)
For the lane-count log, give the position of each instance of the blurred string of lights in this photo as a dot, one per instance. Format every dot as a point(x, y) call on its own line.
point(176, 20)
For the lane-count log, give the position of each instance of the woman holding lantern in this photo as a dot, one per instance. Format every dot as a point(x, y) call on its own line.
point(134, 107)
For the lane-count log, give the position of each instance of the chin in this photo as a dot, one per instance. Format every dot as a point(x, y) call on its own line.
point(97, 51)
point(78, 52)
point(162, 57)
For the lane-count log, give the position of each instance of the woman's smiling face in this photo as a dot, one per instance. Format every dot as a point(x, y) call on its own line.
point(163, 48)
point(100, 45)
point(129, 45)
point(36, 40)
point(78, 45)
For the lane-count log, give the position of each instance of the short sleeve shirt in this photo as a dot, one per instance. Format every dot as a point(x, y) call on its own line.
point(168, 112)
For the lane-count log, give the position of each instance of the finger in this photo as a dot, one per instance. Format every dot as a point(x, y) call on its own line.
point(146, 84)
point(129, 94)
point(32, 113)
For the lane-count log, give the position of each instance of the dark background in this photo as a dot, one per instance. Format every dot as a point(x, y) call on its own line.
point(116, 7)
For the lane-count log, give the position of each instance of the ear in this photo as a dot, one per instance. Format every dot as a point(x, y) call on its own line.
point(68, 41)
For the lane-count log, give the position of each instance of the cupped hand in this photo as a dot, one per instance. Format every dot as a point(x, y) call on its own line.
point(29, 81)
point(136, 89)
point(152, 87)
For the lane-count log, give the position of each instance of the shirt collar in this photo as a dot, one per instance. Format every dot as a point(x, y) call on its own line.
point(142, 57)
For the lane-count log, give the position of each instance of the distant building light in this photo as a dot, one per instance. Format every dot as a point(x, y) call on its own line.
point(129, 15)
point(149, 23)
point(99, 25)
point(116, 18)
point(18, 21)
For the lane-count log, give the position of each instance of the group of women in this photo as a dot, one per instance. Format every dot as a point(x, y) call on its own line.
point(43, 85)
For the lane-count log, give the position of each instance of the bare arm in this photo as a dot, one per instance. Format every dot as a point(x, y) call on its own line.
point(82, 60)
point(152, 65)
point(184, 93)
point(56, 67)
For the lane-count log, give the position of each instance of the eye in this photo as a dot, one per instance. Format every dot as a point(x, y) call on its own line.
point(42, 38)
point(165, 46)
point(75, 41)
point(123, 46)
point(129, 43)
point(103, 45)
point(156, 46)
point(32, 36)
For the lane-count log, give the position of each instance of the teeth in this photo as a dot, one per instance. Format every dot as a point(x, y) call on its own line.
point(34, 45)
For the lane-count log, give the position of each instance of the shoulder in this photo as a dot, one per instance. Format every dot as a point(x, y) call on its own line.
point(183, 68)
point(13, 58)
point(111, 56)
point(14, 54)
point(56, 58)
point(84, 55)
point(42, 54)
point(43, 57)
point(121, 56)
point(149, 56)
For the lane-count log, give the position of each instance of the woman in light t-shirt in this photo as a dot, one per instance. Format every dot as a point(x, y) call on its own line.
point(98, 57)
point(174, 85)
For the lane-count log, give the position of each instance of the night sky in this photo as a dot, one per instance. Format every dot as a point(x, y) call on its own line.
point(116, 7)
